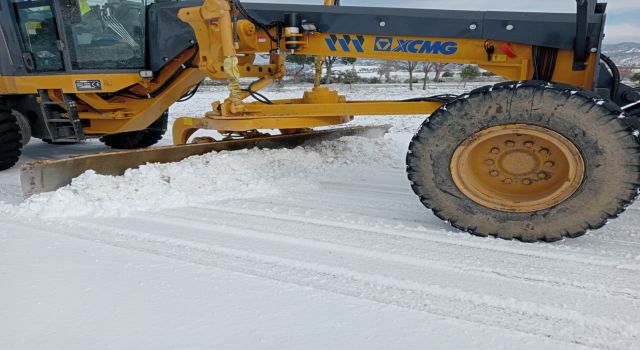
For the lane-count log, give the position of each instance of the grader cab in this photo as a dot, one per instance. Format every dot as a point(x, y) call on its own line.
point(551, 153)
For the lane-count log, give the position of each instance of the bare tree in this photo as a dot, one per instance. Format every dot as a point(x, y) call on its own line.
point(410, 66)
point(385, 68)
point(426, 68)
point(301, 61)
point(328, 62)
point(438, 67)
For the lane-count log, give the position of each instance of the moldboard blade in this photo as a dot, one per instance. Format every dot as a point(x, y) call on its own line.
point(49, 175)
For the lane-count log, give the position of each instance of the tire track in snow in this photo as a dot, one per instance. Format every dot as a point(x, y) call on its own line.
point(435, 254)
point(468, 241)
point(405, 252)
point(528, 317)
point(404, 195)
point(416, 217)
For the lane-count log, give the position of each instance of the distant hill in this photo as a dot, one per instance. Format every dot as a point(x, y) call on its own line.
point(623, 54)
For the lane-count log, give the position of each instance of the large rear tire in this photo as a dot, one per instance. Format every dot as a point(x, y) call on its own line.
point(138, 139)
point(10, 138)
point(531, 161)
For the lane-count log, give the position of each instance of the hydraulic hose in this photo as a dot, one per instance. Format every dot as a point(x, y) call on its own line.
point(615, 73)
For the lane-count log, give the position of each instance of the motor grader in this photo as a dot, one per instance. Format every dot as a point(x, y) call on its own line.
point(550, 153)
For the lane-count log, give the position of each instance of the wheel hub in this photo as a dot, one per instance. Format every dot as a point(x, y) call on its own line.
point(517, 168)
point(517, 162)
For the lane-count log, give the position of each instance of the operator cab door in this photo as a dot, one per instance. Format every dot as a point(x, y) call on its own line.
point(38, 29)
point(105, 34)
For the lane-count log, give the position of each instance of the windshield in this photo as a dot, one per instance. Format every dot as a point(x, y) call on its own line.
point(106, 34)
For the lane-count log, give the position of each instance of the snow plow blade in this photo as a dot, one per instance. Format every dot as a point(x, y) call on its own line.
point(49, 175)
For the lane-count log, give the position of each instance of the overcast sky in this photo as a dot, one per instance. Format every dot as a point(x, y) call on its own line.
point(623, 19)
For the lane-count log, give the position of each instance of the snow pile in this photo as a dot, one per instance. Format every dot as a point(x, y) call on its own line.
point(210, 177)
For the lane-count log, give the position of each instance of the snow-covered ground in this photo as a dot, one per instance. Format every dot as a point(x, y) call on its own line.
point(322, 247)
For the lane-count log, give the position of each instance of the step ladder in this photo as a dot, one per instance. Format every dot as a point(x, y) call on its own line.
point(62, 126)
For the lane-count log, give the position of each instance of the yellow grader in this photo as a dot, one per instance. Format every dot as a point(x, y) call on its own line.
point(551, 153)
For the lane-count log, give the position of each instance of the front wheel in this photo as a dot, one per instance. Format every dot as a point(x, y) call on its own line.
point(531, 161)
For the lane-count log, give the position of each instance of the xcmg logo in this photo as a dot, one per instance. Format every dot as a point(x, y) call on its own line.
point(346, 42)
point(388, 44)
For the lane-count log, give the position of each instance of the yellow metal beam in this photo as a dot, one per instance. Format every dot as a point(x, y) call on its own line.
point(145, 111)
point(295, 110)
point(99, 104)
point(452, 50)
point(184, 127)
point(293, 114)
point(23, 85)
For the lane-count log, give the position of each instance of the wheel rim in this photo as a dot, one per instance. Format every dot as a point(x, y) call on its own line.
point(517, 168)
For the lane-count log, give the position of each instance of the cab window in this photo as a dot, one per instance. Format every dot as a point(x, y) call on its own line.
point(39, 35)
point(105, 34)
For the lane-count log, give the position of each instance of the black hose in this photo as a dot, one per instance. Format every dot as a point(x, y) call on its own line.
point(544, 63)
point(536, 67)
point(257, 96)
point(263, 26)
point(166, 84)
point(615, 72)
point(548, 56)
point(552, 64)
point(189, 94)
point(437, 98)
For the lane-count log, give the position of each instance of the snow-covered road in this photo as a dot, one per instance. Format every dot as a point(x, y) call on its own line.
point(320, 248)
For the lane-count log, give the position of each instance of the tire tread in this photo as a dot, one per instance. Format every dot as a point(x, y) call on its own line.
point(566, 97)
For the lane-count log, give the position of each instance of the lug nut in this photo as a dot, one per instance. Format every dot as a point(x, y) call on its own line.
point(526, 182)
point(542, 175)
point(495, 150)
point(494, 173)
point(528, 144)
point(509, 143)
point(489, 162)
point(508, 181)
point(544, 151)
point(549, 164)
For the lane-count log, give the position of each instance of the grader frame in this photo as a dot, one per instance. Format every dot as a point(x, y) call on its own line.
point(500, 42)
point(214, 30)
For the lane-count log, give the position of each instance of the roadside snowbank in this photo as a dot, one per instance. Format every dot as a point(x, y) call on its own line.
point(213, 176)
